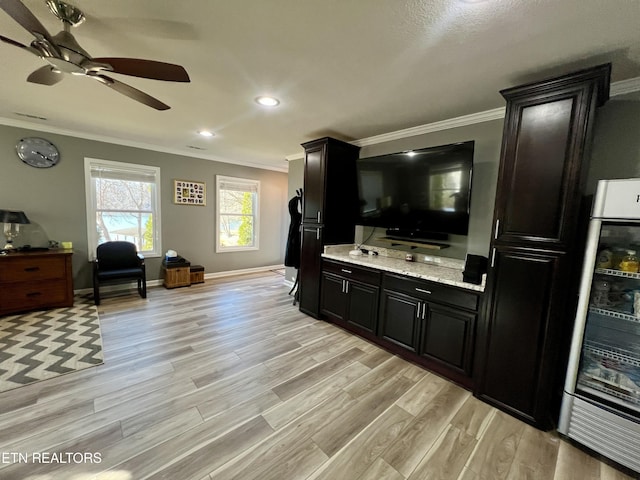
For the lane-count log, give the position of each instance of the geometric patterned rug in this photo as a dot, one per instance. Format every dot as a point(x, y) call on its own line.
point(43, 344)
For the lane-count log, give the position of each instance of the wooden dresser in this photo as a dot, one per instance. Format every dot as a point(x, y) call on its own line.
point(33, 280)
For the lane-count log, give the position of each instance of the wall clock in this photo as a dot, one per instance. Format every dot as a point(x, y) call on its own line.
point(38, 152)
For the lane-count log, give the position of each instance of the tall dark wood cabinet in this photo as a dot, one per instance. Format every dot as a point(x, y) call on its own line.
point(329, 208)
point(535, 254)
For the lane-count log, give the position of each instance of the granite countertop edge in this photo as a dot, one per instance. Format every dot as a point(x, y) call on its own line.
point(424, 271)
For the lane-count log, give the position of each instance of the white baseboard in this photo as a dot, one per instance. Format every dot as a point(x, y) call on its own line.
point(158, 282)
point(231, 273)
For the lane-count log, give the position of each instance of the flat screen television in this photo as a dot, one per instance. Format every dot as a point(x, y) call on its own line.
point(417, 193)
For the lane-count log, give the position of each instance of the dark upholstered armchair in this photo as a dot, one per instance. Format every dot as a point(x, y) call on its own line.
point(118, 262)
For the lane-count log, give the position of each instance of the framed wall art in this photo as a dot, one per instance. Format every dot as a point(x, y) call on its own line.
point(187, 192)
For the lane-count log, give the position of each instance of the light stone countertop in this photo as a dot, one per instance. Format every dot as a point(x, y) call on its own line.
point(448, 271)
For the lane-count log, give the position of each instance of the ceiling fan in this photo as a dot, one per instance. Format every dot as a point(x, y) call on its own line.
point(64, 55)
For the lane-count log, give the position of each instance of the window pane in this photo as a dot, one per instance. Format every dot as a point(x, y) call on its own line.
point(236, 231)
point(132, 227)
point(237, 213)
point(123, 205)
point(232, 201)
point(122, 195)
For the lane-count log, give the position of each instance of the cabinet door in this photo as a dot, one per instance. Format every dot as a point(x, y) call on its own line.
point(333, 296)
point(519, 339)
point(399, 319)
point(447, 336)
point(542, 169)
point(310, 268)
point(363, 305)
point(537, 155)
point(314, 184)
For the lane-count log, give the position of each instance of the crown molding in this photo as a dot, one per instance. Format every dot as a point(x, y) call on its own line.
point(463, 121)
point(294, 156)
point(625, 86)
point(11, 122)
point(617, 88)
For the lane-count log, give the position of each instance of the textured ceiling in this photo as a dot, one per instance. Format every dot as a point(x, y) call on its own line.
point(351, 69)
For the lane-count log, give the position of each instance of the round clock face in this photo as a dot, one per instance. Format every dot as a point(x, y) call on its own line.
point(38, 152)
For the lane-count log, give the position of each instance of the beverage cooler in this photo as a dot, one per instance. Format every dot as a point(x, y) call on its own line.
point(601, 400)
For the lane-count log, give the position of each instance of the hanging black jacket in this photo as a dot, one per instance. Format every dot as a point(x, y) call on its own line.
point(292, 254)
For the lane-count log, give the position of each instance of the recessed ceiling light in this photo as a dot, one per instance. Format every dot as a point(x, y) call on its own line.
point(267, 101)
point(410, 153)
point(205, 133)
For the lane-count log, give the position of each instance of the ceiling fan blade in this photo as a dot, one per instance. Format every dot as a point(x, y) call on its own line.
point(130, 92)
point(18, 44)
point(45, 76)
point(146, 69)
point(21, 14)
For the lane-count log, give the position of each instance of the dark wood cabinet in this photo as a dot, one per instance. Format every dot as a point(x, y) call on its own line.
point(435, 321)
point(526, 307)
point(429, 323)
point(350, 295)
point(400, 319)
point(363, 305)
point(448, 336)
point(334, 300)
point(310, 269)
point(314, 183)
point(535, 250)
point(546, 134)
point(329, 208)
point(35, 280)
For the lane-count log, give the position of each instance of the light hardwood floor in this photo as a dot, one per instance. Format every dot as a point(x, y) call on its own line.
point(228, 380)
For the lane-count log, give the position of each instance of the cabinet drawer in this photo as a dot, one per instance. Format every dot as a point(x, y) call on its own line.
point(432, 292)
point(352, 272)
point(25, 296)
point(26, 268)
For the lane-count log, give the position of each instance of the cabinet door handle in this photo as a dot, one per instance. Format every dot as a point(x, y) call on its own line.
point(423, 290)
point(424, 310)
point(345, 270)
point(346, 286)
point(495, 233)
point(318, 216)
point(317, 234)
point(32, 269)
point(493, 258)
point(342, 289)
point(418, 314)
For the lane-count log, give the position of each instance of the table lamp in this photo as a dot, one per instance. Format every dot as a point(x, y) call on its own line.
point(12, 221)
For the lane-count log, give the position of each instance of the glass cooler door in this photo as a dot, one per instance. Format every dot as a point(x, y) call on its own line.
point(609, 369)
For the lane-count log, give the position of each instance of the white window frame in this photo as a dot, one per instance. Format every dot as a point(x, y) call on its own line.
point(91, 206)
point(252, 184)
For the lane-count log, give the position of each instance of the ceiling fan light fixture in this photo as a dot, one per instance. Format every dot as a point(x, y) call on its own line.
point(267, 101)
point(66, 12)
point(65, 56)
point(206, 133)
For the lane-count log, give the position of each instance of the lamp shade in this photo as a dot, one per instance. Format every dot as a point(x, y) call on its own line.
point(8, 216)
